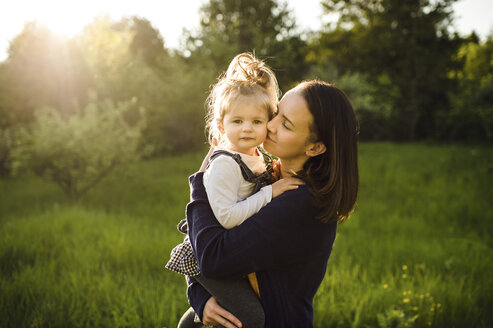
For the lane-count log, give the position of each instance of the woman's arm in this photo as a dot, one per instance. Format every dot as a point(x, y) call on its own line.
point(283, 232)
point(197, 296)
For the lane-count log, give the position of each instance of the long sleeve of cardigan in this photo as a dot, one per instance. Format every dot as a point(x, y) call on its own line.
point(222, 181)
point(197, 296)
point(284, 232)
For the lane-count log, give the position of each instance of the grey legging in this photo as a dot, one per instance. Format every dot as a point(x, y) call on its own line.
point(236, 296)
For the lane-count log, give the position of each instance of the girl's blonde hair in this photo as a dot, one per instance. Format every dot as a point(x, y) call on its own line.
point(246, 76)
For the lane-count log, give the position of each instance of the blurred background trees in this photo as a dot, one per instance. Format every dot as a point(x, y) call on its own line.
point(408, 75)
point(265, 27)
point(403, 49)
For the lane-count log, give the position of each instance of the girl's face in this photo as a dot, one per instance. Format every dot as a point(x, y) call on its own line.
point(245, 125)
point(289, 131)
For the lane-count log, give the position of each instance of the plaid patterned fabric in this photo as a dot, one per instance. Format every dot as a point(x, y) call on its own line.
point(182, 259)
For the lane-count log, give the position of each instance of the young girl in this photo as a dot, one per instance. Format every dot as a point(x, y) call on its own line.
point(236, 181)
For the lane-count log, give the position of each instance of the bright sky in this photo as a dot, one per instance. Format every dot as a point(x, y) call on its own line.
point(170, 17)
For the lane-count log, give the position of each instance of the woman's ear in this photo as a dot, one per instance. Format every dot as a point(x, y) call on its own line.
point(316, 149)
point(220, 125)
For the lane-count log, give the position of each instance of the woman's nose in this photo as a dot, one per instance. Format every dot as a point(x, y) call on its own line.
point(271, 125)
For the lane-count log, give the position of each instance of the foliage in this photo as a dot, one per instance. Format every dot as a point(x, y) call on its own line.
point(77, 151)
point(472, 112)
point(372, 102)
point(406, 42)
point(183, 121)
point(6, 140)
point(229, 27)
point(407, 75)
point(117, 60)
point(147, 43)
point(419, 243)
point(172, 92)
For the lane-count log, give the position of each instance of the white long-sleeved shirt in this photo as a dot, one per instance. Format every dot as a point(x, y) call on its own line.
point(230, 194)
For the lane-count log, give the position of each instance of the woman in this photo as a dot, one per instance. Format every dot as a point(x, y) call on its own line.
point(288, 242)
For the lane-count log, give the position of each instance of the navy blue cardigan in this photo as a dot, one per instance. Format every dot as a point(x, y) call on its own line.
point(283, 243)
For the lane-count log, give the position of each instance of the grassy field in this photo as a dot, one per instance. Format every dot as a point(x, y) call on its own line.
point(417, 252)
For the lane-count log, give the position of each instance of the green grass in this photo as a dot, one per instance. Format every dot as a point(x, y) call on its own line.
point(417, 251)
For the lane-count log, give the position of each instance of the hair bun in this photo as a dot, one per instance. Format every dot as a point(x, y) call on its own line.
point(244, 67)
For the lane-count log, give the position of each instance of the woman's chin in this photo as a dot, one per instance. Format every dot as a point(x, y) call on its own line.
point(269, 146)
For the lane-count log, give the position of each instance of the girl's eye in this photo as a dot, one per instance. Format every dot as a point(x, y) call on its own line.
point(257, 122)
point(237, 121)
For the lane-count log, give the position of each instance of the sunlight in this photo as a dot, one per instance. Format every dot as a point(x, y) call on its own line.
point(62, 17)
point(63, 25)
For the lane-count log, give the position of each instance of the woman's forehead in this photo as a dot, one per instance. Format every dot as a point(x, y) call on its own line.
point(294, 107)
point(293, 98)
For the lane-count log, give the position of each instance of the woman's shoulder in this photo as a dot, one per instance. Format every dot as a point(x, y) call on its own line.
point(301, 194)
point(299, 200)
point(299, 205)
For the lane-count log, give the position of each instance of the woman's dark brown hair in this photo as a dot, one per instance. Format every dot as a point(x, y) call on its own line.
point(332, 177)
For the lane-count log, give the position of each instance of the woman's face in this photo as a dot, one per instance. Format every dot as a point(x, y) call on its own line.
point(289, 131)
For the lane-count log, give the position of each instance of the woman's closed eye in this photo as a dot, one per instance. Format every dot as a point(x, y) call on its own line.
point(284, 124)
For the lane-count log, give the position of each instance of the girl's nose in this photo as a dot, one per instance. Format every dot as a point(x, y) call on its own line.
point(247, 126)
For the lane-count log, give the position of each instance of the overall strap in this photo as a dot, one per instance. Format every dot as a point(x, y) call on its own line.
point(260, 180)
point(248, 175)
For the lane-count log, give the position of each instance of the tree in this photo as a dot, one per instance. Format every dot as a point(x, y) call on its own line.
point(229, 27)
point(147, 43)
point(120, 61)
point(407, 41)
point(78, 151)
point(41, 70)
point(129, 61)
point(472, 114)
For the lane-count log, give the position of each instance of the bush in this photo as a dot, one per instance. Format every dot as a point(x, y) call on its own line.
point(77, 151)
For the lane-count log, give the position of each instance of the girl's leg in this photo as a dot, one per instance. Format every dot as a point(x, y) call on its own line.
point(187, 320)
point(238, 297)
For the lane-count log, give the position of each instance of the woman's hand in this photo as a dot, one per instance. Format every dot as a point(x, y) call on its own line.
point(285, 184)
point(214, 315)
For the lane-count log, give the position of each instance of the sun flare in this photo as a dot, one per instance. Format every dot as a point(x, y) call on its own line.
point(63, 25)
point(62, 17)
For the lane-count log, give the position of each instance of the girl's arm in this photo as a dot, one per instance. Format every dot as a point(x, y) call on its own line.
point(222, 181)
point(283, 232)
